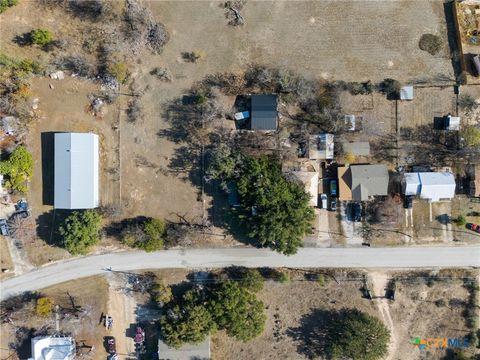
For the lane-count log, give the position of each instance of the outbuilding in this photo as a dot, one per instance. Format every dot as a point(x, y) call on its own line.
point(53, 348)
point(76, 180)
point(431, 186)
point(406, 92)
point(264, 112)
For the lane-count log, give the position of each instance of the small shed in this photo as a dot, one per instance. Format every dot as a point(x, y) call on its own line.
point(350, 122)
point(452, 123)
point(411, 184)
point(320, 147)
point(406, 92)
point(357, 148)
point(264, 112)
point(186, 352)
point(76, 179)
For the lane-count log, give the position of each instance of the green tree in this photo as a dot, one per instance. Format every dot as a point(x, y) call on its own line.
point(80, 231)
point(148, 236)
point(471, 135)
point(237, 310)
point(353, 334)
point(5, 4)
point(18, 169)
point(224, 163)
point(283, 215)
point(187, 322)
point(44, 306)
point(161, 293)
point(252, 280)
point(41, 37)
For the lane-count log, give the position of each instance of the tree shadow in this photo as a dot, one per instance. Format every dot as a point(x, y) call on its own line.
point(48, 224)
point(115, 228)
point(23, 39)
point(443, 219)
point(312, 334)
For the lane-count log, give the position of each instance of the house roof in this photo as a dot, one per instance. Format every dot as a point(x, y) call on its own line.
point(369, 180)
point(264, 112)
point(76, 171)
point(52, 348)
point(186, 352)
point(406, 92)
point(358, 148)
point(430, 185)
point(310, 181)
point(344, 183)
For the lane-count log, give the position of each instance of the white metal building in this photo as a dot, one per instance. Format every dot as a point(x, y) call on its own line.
point(76, 171)
point(432, 186)
point(52, 348)
point(406, 92)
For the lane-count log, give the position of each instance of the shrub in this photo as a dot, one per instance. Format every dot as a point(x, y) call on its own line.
point(471, 135)
point(252, 280)
point(148, 235)
point(322, 280)
point(80, 231)
point(192, 56)
point(41, 37)
point(44, 306)
point(18, 169)
point(162, 293)
point(283, 277)
point(430, 43)
point(5, 4)
point(119, 71)
point(349, 157)
point(460, 220)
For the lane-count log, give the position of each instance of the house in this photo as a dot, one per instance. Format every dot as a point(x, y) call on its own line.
point(52, 348)
point(357, 148)
point(264, 112)
point(406, 93)
point(361, 182)
point(320, 147)
point(186, 352)
point(431, 186)
point(76, 171)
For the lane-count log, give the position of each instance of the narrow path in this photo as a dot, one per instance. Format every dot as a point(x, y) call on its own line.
point(379, 283)
point(19, 259)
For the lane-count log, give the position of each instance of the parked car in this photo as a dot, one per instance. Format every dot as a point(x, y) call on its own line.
point(473, 227)
point(333, 204)
point(408, 202)
point(333, 187)
point(476, 65)
point(354, 211)
point(111, 345)
point(4, 227)
point(323, 200)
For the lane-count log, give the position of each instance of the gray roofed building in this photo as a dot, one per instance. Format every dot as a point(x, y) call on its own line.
point(186, 352)
point(52, 348)
point(369, 180)
point(264, 112)
point(76, 171)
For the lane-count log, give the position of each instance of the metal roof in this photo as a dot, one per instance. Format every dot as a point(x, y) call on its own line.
point(430, 185)
point(186, 352)
point(369, 180)
point(406, 93)
point(52, 348)
point(76, 171)
point(264, 112)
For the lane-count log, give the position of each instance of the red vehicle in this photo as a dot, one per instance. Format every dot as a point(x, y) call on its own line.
point(473, 227)
point(139, 335)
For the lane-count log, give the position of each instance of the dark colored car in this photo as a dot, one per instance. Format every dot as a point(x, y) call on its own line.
point(473, 227)
point(354, 211)
point(333, 204)
point(111, 345)
point(333, 188)
point(408, 202)
point(476, 65)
